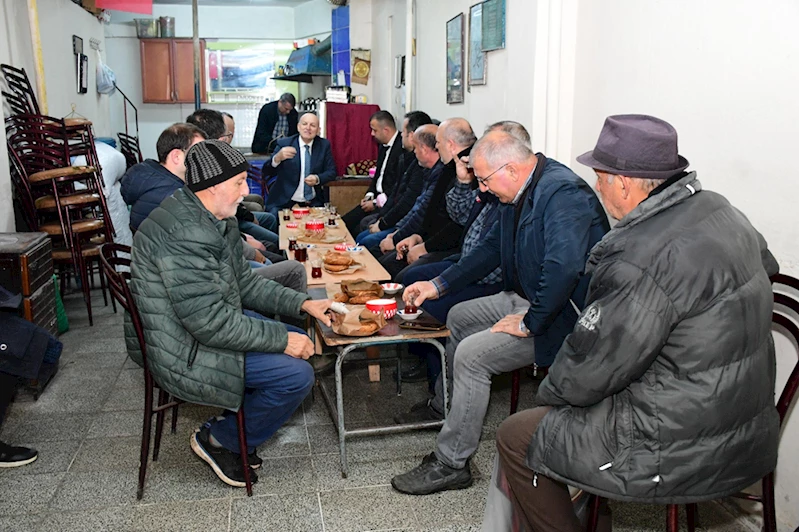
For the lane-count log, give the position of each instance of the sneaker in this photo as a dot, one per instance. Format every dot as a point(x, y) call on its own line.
point(16, 456)
point(418, 413)
point(253, 459)
point(323, 364)
point(432, 476)
point(416, 373)
point(226, 464)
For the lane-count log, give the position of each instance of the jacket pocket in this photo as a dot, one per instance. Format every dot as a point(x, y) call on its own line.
point(623, 419)
point(195, 345)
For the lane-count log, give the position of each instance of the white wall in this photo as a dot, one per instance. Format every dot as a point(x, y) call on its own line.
point(313, 19)
point(508, 93)
point(388, 41)
point(720, 71)
point(361, 32)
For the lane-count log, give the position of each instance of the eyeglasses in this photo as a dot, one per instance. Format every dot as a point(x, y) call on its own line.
point(484, 180)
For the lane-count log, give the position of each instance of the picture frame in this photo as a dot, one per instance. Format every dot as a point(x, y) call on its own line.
point(493, 25)
point(455, 54)
point(477, 57)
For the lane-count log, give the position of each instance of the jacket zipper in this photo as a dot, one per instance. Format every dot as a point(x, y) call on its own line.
point(195, 345)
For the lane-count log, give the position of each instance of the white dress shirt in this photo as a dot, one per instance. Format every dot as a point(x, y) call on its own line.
point(299, 192)
point(390, 147)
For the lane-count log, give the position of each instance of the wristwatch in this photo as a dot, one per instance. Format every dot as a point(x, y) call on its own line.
point(523, 328)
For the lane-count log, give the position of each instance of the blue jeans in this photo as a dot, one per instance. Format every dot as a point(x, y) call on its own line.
point(372, 240)
point(276, 384)
point(265, 230)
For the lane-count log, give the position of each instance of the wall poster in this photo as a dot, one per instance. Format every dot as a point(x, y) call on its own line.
point(455, 27)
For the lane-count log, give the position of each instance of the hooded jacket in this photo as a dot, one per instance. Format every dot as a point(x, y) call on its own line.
point(145, 186)
point(664, 391)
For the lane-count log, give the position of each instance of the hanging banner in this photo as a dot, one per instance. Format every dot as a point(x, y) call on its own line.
point(144, 7)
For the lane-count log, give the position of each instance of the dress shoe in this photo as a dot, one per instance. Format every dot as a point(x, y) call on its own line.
point(432, 476)
point(415, 373)
point(418, 413)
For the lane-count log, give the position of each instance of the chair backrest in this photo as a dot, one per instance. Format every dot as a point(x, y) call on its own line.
point(112, 256)
point(22, 188)
point(786, 313)
point(21, 90)
point(129, 146)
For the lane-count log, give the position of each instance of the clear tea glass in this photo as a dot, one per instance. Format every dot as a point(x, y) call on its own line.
point(300, 253)
point(286, 215)
point(316, 269)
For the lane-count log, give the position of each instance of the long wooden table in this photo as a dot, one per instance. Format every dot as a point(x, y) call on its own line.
point(372, 269)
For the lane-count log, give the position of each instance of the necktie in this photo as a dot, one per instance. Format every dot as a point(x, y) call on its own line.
point(308, 191)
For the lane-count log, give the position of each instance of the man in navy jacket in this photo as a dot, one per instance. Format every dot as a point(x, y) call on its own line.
point(302, 163)
point(548, 223)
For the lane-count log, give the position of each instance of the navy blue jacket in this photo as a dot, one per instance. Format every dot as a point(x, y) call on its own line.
point(559, 224)
point(288, 171)
point(145, 186)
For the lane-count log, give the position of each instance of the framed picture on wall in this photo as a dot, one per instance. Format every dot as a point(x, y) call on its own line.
point(493, 25)
point(455, 27)
point(477, 57)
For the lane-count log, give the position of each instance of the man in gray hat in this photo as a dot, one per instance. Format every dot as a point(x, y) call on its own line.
point(202, 310)
point(664, 391)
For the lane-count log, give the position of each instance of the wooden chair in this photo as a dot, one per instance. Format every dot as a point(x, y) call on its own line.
point(129, 146)
point(537, 371)
point(786, 315)
point(112, 256)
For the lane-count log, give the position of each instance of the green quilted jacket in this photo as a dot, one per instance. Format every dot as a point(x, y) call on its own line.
point(191, 283)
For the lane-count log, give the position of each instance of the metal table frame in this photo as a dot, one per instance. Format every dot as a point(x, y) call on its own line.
point(337, 410)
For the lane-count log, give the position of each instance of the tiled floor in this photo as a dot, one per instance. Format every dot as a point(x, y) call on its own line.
point(87, 427)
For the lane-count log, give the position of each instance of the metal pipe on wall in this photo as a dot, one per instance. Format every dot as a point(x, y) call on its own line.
point(36, 40)
point(196, 36)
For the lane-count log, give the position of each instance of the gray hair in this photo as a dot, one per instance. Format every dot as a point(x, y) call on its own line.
point(512, 128)
point(426, 135)
point(459, 131)
point(499, 147)
point(287, 97)
point(645, 184)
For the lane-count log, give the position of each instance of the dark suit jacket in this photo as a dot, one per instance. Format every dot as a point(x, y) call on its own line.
point(267, 119)
point(288, 171)
point(393, 170)
point(406, 191)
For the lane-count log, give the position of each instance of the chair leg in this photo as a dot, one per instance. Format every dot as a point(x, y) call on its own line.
point(84, 278)
point(159, 423)
point(175, 419)
point(593, 513)
point(769, 509)
point(672, 518)
point(691, 512)
point(243, 450)
point(514, 390)
point(101, 275)
point(145, 433)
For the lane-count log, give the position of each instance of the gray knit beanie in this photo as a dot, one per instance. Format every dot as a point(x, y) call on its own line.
point(211, 162)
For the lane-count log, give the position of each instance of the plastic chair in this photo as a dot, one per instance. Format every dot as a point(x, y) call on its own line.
point(112, 256)
point(786, 314)
point(129, 146)
point(21, 98)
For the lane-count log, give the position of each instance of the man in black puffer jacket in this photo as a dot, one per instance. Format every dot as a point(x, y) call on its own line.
point(664, 391)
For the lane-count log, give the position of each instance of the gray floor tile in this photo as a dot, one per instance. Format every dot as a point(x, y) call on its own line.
point(45, 427)
point(28, 494)
point(365, 469)
point(108, 454)
point(461, 507)
point(91, 361)
point(126, 398)
point(95, 489)
point(54, 457)
point(20, 523)
point(191, 482)
point(117, 424)
point(281, 476)
point(130, 378)
point(108, 343)
point(130, 364)
point(378, 508)
point(287, 441)
point(117, 519)
point(207, 515)
point(286, 513)
point(356, 409)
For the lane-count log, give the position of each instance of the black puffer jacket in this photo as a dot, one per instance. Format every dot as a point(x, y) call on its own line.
point(664, 392)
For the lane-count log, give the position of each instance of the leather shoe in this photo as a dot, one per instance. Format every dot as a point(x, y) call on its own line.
point(418, 413)
point(415, 373)
point(16, 456)
point(432, 476)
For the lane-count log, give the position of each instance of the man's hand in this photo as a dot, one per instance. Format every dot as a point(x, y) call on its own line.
point(462, 170)
point(510, 324)
point(416, 251)
point(299, 346)
point(317, 309)
point(367, 205)
point(253, 242)
point(312, 180)
point(387, 244)
point(419, 292)
point(259, 257)
point(375, 227)
point(285, 153)
point(404, 245)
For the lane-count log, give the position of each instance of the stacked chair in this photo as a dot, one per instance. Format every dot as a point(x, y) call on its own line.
point(129, 146)
point(57, 198)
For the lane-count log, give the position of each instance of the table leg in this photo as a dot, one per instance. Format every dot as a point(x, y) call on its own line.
point(340, 409)
point(374, 369)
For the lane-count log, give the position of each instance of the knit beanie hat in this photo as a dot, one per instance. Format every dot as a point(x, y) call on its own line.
point(211, 162)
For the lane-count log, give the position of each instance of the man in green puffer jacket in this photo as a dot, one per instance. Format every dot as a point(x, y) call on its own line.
point(201, 307)
point(664, 391)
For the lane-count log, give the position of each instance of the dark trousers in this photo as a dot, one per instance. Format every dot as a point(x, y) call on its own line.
point(546, 505)
point(276, 385)
point(354, 218)
point(397, 268)
point(8, 387)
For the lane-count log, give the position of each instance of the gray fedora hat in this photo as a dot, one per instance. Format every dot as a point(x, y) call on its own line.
point(636, 146)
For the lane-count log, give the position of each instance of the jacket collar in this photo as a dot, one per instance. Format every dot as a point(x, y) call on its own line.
point(673, 194)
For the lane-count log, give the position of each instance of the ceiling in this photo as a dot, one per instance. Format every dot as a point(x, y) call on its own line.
point(235, 3)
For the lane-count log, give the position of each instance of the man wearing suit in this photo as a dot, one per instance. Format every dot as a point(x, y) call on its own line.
point(275, 121)
point(387, 173)
point(302, 163)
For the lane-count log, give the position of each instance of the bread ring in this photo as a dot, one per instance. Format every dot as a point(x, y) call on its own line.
point(362, 299)
point(369, 328)
point(334, 257)
point(335, 268)
point(341, 298)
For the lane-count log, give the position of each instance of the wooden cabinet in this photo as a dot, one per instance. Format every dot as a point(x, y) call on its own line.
point(167, 70)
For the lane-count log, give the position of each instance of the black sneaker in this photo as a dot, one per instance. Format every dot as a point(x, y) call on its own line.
point(16, 456)
point(418, 413)
point(416, 373)
point(226, 464)
point(432, 476)
point(253, 459)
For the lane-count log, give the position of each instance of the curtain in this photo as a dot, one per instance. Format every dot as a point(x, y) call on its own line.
point(349, 134)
